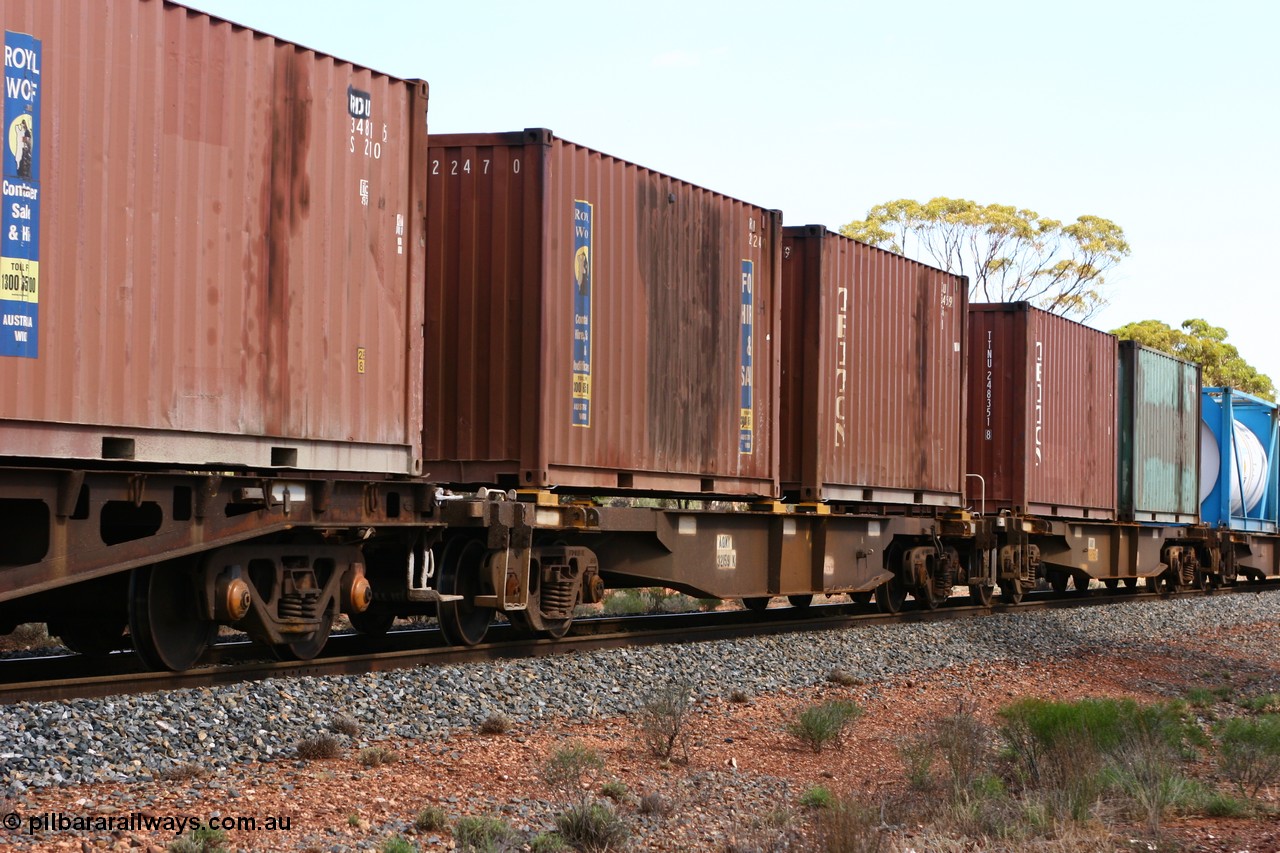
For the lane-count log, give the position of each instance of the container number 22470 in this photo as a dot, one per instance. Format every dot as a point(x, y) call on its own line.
point(463, 167)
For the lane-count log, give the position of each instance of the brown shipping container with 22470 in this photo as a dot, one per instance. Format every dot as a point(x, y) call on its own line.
point(593, 324)
point(213, 239)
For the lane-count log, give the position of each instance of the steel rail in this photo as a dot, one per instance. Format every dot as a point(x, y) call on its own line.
point(121, 673)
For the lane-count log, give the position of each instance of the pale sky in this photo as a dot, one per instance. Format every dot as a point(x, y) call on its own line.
point(1163, 117)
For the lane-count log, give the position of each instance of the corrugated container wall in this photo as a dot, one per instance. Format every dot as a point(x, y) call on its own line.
point(593, 324)
point(1042, 413)
point(872, 380)
point(1159, 400)
point(1240, 458)
point(222, 265)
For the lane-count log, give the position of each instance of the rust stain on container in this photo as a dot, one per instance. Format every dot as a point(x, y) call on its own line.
point(1159, 440)
point(595, 324)
point(1042, 412)
point(872, 373)
point(227, 218)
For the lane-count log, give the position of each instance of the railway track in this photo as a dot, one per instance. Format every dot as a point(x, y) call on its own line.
point(68, 677)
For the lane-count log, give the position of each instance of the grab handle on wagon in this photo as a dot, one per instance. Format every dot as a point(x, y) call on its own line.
point(983, 493)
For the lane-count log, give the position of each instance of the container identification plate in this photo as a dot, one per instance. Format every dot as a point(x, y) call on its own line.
point(20, 241)
point(582, 213)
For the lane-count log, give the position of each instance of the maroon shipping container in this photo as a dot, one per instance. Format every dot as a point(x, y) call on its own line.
point(1042, 413)
point(872, 373)
point(593, 324)
point(227, 234)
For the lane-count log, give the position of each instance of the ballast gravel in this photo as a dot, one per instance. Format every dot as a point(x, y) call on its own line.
point(131, 738)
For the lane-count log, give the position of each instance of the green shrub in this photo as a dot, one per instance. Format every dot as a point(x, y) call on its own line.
point(496, 723)
point(624, 602)
point(819, 725)
point(344, 725)
point(662, 719)
point(843, 677)
point(484, 835)
point(848, 827)
point(817, 797)
point(183, 772)
point(1249, 751)
point(1071, 752)
point(1145, 766)
point(592, 827)
point(431, 819)
point(317, 747)
point(655, 598)
point(1218, 804)
point(548, 842)
point(375, 756)
point(1034, 727)
point(962, 742)
point(397, 844)
point(1259, 704)
point(202, 839)
point(679, 603)
point(569, 766)
point(614, 789)
point(917, 757)
point(654, 803)
point(1200, 697)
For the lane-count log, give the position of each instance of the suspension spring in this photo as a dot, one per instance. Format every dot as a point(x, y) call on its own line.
point(300, 605)
point(557, 599)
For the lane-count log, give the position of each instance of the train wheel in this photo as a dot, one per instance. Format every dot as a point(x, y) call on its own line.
point(1131, 584)
point(371, 624)
point(1112, 584)
point(1058, 580)
point(462, 622)
point(309, 648)
point(860, 597)
point(167, 632)
point(557, 628)
point(1011, 591)
point(757, 605)
point(1080, 582)
point(800, 601)
point(96, 636)
point(981, 594)
point(891, 595)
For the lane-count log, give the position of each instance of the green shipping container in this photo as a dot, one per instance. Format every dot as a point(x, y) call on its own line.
point(1159, 431)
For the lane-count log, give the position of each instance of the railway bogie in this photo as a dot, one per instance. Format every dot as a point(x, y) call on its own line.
point(173, 556)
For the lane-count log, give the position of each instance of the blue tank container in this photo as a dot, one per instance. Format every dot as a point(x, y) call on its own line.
point(1240, 461)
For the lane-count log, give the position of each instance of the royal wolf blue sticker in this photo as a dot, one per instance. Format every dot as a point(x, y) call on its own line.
point(20, 238)
point(746, 418)
point(581, 313)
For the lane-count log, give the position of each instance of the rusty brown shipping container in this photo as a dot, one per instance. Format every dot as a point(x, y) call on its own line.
point(593, 324)
point(1042, 413)
point(224, 256)
point(872, 374)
